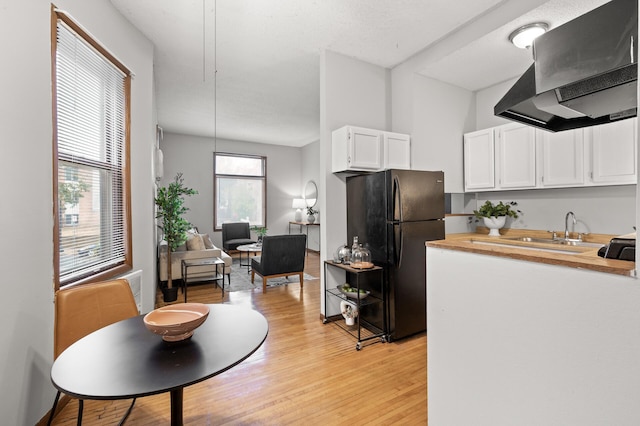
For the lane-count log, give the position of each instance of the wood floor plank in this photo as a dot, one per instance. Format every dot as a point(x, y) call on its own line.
point(306, 372)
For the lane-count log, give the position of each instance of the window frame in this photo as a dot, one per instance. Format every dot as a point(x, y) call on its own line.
point(125, 201)
point(263, 178)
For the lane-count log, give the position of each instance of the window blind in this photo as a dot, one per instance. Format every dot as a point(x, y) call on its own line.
point(91, 119)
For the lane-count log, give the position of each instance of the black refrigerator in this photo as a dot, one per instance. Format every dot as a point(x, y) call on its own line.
point(393, 213)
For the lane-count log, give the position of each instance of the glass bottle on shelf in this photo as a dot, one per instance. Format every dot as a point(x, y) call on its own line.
point(361, 258)
point(343, 254)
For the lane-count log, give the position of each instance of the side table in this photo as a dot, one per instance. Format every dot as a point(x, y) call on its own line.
point(248, 248)
point(190, 263)
point(306, 226)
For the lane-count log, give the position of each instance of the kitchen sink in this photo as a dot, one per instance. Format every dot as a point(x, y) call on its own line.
point(532, 240)
point(559, 241)
point(515, 243)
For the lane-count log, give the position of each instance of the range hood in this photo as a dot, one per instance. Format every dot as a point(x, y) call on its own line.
point(584, 72)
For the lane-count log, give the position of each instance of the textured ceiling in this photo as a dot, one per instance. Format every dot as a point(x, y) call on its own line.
point(492, 58)
point(267, 54)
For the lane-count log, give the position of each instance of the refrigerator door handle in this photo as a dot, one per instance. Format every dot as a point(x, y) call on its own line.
point(397, 200)
point(397, 245)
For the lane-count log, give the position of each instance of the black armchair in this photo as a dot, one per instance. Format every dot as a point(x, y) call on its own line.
point(235, 234)
point(282, 255)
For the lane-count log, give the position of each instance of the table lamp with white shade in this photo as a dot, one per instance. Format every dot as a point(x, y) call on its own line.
point(299, 204)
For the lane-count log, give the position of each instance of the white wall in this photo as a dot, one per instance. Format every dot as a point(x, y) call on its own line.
point(311, 172)
point(26, 255)
point(520, 343)
point(486, 99)
point(600, 210)
point(193, 156)
point(435, 114)
point(351, 92)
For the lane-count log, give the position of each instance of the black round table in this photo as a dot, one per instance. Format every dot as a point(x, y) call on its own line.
point(125, 360)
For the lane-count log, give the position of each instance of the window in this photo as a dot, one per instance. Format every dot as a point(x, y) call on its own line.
point(240, 189)
point(91, 183)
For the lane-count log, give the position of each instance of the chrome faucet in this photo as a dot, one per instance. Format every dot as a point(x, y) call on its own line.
point(566, 224)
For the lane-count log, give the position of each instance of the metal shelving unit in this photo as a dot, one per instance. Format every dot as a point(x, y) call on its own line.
point(362, 330)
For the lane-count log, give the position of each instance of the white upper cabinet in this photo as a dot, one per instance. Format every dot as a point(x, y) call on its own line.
point(613, 153)
point(527, 158)
point(397, 150)
point(516, 144)
point(479, 160)
point(562, 157)
point(356, 149)
point(368, 150)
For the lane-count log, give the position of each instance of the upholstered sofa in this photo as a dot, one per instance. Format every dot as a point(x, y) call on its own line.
point(198, 246)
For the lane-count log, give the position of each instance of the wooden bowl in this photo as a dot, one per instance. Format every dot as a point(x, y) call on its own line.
point(176, 322)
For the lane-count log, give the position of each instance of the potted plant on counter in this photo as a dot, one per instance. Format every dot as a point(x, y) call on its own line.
point(170, 202)
point(495, 215)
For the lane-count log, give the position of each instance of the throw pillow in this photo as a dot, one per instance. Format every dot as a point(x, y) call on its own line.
point(207, 241)
point(194, 242)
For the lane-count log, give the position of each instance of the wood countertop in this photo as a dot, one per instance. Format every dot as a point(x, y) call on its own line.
point(582, 257)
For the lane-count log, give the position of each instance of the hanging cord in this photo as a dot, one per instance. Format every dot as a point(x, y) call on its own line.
point(215, 63)
point(215, 75)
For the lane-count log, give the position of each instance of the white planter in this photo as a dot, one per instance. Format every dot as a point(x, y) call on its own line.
point(494, 223)
point(349, 312)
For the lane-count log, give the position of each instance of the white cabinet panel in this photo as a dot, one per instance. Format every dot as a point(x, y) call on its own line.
point(562, 157)
point(479, 160)
point(357, 149)
point(397, 151)
point(613, 152)
point(527, 158)
point(517, 156)
point(369, 150)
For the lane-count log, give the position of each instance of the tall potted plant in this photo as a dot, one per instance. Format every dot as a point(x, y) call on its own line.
point(170, 202)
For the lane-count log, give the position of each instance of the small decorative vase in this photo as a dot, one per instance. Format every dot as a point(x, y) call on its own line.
point(494, 224)
point(311, 218)
point(349, 312)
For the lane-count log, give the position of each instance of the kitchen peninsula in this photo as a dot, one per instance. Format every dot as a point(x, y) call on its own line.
point(530, 337)
point(583, 256)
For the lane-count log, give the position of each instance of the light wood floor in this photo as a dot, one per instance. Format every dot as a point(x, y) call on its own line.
point(306, 372)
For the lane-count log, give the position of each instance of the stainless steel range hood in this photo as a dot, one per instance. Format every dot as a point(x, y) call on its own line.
point(584, 73)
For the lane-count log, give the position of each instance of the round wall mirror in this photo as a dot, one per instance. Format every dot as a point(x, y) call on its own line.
point(311, 193)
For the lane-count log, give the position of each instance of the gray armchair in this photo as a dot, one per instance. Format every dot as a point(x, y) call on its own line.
point(282, 255)
point(235, 234)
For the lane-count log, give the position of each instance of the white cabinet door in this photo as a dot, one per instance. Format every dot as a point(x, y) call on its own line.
point(562, 157)
point(613, 152)
point(479, 160)
point(357, 149)
point(516, 156)
point(397, 151)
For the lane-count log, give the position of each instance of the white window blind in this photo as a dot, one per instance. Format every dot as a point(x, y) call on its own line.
point(91, 138)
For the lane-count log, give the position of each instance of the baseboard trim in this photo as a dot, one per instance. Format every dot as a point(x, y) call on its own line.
point(62, 402)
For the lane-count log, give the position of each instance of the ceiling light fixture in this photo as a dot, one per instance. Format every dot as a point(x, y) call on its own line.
point(523, 37)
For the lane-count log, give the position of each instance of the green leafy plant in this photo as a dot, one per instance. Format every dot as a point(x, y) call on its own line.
point(311, 211)
point(260, 230)
point(170, 202)
point(488, 209)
